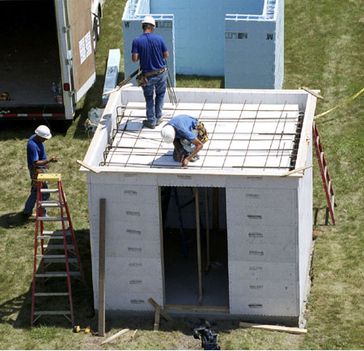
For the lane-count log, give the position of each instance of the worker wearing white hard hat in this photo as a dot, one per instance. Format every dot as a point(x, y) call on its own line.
point(37, 163)
point(187, 135)
point(151, 52)
point(149, 20)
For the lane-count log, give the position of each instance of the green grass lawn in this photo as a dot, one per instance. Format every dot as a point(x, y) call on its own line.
point(324, 49)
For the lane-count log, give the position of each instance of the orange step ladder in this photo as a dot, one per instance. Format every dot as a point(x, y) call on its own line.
point(56, 256)
point(326, 179)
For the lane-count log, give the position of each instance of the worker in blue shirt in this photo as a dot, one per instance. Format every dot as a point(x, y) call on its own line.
point(37, 163)
point(151, 51)
point(187, 135)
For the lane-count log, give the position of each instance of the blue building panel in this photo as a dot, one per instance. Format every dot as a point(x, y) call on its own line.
point(227, 38)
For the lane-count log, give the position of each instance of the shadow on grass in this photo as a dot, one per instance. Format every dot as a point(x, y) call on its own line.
point(17, 311)
point(12, 220)
point(321, 216)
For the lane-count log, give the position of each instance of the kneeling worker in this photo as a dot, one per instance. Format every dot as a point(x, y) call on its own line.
point(187, 135)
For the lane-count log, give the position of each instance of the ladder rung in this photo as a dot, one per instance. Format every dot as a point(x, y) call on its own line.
point(58, 246)
point(49, 313)
point(50, 204)
point(47, 191)
point(52, 219)
point(44, 294)
point(326, 172)
point(56, 274)
point(57, 258)
point(56, 232)
point(322, 156)
point(55, 237)
point(333, 202)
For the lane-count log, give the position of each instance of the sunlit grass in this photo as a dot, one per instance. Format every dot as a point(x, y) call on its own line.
point(323, 50)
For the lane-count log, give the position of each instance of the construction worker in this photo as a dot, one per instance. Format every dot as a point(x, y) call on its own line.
point(151, 51)
point(37, 163)
point(187, 135)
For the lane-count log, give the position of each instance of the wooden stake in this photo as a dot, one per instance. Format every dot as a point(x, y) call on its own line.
point(278, 328)
point(113, 337)
point(133, 336)
point(207, 230)
point(102, 267)
point(164, 314)
point(198, 240)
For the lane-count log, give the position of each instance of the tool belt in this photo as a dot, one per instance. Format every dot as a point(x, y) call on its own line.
point(202, 133)
point(154, 73)
point(142, 78)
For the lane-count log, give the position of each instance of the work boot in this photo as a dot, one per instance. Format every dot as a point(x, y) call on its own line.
point(148, 124)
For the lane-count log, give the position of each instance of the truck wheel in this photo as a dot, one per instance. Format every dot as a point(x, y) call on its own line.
point(96, 31)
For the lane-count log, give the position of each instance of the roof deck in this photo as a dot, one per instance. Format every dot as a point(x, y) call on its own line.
point(259, 134)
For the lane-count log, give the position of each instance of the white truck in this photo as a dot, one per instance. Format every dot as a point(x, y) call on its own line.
point(47, 56)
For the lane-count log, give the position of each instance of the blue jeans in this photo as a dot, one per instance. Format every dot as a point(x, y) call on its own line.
point(32, 199)
point(157, 84)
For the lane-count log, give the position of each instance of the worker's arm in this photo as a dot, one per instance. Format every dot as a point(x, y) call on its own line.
point(196, 149)
point(42, 163)
point(135, 57)
point(165, 55)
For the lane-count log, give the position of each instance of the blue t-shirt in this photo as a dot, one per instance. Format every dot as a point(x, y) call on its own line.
point(150, 48)
point(184, 126)
point(35, 151)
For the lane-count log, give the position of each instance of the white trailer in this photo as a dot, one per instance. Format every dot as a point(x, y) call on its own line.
point(47, 60)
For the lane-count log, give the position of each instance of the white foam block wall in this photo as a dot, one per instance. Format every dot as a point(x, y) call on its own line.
point(262, 234)
point(133, 248)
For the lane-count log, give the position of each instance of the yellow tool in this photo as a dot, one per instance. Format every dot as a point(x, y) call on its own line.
point(78, 329)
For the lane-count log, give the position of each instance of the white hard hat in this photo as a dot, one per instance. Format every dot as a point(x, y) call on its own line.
point(149, 20)
point(43, 132)
point(168, 133)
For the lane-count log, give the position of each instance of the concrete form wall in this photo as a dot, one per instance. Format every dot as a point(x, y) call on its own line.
point(210, 38)
point(133, 247)
point(263, 248)
point(267, 250)
point(305, 206)
point(254, 50)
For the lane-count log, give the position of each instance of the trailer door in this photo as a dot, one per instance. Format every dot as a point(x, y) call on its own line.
point(83, 58)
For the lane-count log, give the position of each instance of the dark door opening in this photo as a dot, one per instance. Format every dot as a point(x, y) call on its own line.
point(195, 253)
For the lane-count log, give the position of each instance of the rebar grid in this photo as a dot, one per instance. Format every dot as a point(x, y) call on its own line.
point(280, 152)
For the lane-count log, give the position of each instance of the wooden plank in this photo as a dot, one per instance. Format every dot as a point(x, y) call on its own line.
point(278, 328)
point(113, 337)
point(207, 225)
point(198, 240)
point(164, 314)
point(297, 170)
point(83, 164)
point(102, 222)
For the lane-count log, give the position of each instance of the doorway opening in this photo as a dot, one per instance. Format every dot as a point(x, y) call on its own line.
point(195, 255)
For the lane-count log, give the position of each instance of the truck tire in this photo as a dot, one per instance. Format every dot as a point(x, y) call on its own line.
point(96, 31)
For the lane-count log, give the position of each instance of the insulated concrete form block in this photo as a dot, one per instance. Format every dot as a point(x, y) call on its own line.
point(268, 221)
point(267, 307)
point(112, 72)
point(249, 53)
